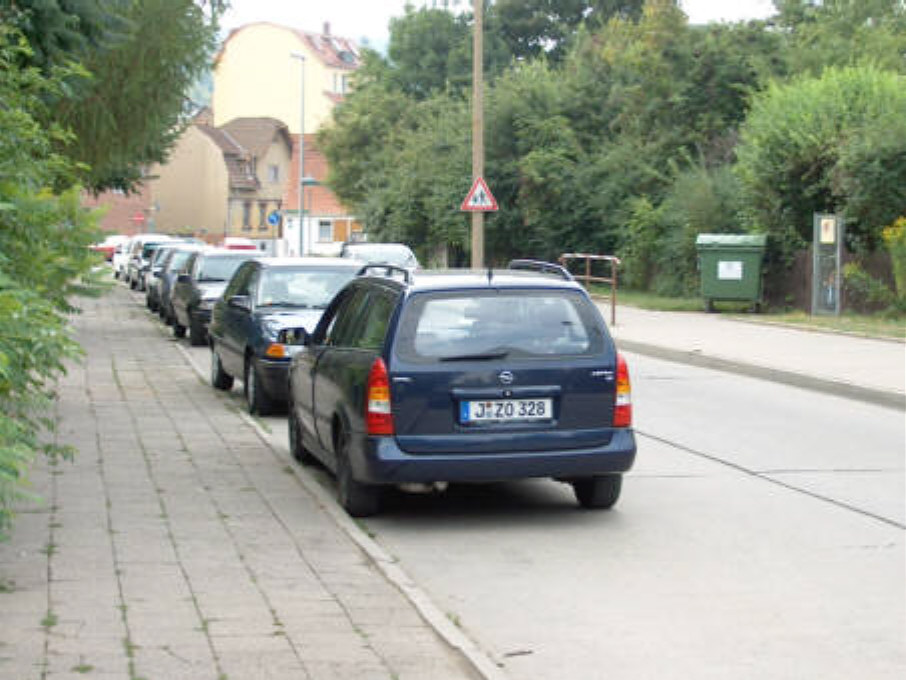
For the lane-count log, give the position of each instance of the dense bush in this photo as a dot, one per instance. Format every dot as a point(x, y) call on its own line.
point(44, 262)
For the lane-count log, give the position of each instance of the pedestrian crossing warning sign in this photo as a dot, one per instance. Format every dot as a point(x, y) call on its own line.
point(479, 198)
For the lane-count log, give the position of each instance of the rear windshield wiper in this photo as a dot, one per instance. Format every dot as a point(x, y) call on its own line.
point(478, 356)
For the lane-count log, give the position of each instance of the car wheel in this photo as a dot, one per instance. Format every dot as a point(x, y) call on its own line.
point(257, 399)
point(300, 453)
point(197, 334)
point(357, 499)
point(220, 379)
point(600, 492)
point(179, 331)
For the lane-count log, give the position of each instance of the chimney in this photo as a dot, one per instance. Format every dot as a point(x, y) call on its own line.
point(327, 28)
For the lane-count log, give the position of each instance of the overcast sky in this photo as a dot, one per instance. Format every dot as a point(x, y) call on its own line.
point(369, 19)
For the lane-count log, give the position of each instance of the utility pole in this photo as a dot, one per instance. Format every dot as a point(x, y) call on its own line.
point(478, 129)
point(303, 245)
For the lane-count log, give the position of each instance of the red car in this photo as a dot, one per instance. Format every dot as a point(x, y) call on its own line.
point(108, 245)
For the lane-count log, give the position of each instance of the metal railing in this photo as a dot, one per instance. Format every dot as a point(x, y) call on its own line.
point(588, 277)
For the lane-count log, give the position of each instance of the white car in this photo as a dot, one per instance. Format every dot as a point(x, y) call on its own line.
point(121, 258)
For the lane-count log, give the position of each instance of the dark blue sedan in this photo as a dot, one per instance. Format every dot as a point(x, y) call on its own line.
point(265, 297)
point(436, 377)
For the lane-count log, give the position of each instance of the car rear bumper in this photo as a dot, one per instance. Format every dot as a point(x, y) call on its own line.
point(385, 463)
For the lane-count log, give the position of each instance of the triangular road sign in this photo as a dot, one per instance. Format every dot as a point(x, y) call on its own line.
point(479, 198)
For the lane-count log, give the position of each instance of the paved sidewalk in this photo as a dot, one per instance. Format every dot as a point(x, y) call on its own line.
point(848, 366)
point(177, 545)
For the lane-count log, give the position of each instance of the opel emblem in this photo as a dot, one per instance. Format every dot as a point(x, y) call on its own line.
point(506, 377)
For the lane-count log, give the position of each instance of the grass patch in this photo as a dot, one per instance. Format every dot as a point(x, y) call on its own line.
point(50, 620)
point(651, 301)
point(878, 326)
point(82, 667)
point(881, 325)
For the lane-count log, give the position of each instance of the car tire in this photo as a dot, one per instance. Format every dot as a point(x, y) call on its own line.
point(179, 331)
point(220, 379)
point(197, 334)
point(357, 499)
point(257, 399)
point(300, 453)
point(601, 492)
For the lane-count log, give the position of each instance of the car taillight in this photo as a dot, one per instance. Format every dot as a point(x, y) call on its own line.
point(622, 410)
point(378, 416)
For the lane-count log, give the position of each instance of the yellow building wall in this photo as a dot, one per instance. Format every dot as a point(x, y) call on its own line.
point(190, 194)
point(256, 76)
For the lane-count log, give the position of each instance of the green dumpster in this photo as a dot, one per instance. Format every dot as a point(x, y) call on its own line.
point(730, 266)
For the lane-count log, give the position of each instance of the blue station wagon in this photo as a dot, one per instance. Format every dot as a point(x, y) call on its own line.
point(434, 377)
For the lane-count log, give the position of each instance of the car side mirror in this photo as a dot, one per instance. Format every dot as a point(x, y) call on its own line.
point(241, 301)
point(294, 336)
point(183, 278)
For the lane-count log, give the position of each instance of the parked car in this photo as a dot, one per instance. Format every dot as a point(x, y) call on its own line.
point(197, 288)
point(142, 249)
point(108, 246)
point(174, 264)
point(121, 258)
point(374, 253)
point(239, 243)
point(436, 377)
point(151, 274)
point(264, 298)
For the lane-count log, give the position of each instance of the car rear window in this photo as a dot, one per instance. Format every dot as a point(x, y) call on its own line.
point(519, 323)
point(399, 255)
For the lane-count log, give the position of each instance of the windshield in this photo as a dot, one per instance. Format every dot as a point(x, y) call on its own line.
point(477, 325)
point(311, 288)
point(218, 268)
point(149, 249)
point(178, 260)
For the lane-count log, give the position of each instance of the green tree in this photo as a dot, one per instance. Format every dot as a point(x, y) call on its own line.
point(535, 28)
point(843, 33)
point(143, 56)
point(428, 51)
point(828, 144)
point(44, 262)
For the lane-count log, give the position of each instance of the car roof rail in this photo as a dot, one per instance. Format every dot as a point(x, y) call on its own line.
point(541, 267)
point(389, 270)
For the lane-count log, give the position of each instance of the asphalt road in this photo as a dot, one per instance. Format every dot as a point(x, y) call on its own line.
point(759, 536)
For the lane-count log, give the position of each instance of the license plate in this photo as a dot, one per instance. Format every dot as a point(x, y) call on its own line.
point(505, 410)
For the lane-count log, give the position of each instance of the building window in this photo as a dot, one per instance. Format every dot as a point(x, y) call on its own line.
point(273, 174)
point(325, 231)
point(262, 216)
point(246, 216)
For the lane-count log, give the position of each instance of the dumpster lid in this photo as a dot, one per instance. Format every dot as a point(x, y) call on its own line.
point(731, 240)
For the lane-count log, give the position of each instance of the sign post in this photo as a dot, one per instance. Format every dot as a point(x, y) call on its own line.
point(477, 129)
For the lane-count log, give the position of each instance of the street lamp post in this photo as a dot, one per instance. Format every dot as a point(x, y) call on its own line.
point(302, 245)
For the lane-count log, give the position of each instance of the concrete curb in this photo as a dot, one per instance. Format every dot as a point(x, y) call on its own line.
point(869, 395)
point(385, 563)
